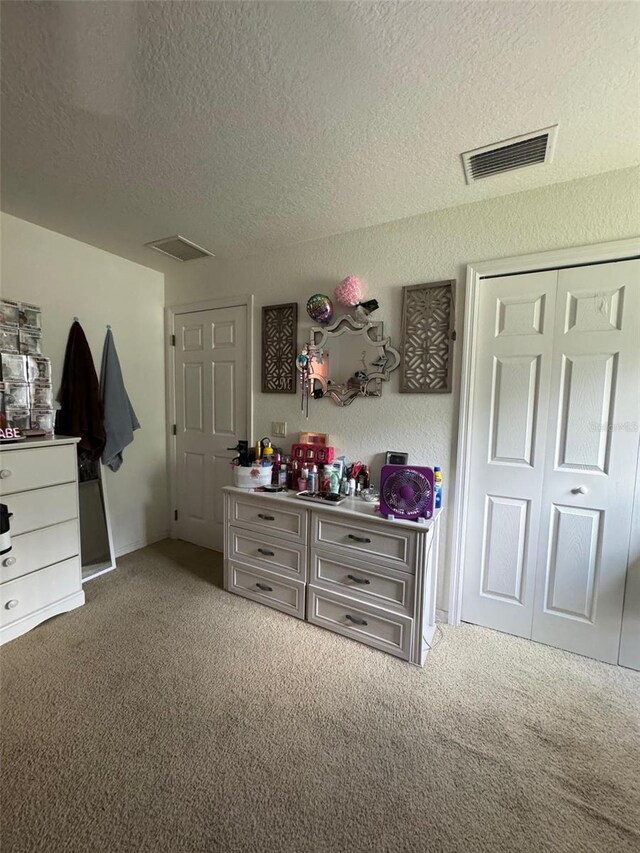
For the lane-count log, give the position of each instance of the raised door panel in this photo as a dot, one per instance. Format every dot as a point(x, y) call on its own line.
point(587, 385)
point(193, 415)
point(513, 409)
point(223, 381)
point(504, 549)
point(520, 315)
point(573, 562)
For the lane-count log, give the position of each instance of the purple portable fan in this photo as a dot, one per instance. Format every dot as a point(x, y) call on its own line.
point(406, 491)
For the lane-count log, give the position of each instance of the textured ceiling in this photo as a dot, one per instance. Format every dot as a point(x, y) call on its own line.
point(244, 126)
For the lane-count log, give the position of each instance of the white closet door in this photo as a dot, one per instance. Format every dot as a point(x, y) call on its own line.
point(210, 382)
point(591, 458)
point(630, 639)
point(509, 426)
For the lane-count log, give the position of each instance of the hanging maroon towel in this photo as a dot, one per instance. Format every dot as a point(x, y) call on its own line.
point(81, 411)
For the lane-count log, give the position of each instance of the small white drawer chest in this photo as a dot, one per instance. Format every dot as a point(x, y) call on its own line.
point(41, 575)
point(341, 567)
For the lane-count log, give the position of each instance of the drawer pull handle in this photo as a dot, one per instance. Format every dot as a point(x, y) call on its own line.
point(9, 561)
point(266, 517)
point(264, 587)
point(364, 539)
point(356, 579)
point(355, 620)
point(265, 552)
point(11, 603)
point(5, 473)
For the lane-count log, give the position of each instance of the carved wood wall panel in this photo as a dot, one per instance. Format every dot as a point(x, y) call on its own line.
point(279, 345)
point(428, 319)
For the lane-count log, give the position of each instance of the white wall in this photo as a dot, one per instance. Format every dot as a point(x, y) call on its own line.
point(68, 278)
point(426, 248)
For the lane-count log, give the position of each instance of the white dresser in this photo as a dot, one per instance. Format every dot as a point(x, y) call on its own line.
point(41, 575)
point(341, 567)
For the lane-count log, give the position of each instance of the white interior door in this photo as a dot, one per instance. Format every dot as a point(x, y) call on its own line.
point(630, 639)
point(510, 398)
point(211, 415)
point(591, 455)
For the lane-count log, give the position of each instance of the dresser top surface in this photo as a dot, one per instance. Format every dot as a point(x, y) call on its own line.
point(44, 441)
point(351, 507)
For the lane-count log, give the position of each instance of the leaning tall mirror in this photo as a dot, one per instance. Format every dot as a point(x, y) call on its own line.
point(350, 359)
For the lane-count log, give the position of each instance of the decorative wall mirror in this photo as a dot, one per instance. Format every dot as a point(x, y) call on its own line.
point(350, 359)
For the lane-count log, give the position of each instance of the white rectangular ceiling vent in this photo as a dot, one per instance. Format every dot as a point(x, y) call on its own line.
point(179, 248)
point(516, 153)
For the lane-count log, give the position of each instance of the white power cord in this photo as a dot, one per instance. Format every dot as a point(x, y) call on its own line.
point(432, 646)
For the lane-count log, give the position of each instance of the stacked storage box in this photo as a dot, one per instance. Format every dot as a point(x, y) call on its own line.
point(26, 394)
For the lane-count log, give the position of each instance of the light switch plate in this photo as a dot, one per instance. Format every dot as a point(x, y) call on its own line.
point(279, 428)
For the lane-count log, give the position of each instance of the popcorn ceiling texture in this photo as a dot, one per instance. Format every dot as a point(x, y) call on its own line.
point(248, 125)
point(431, 247)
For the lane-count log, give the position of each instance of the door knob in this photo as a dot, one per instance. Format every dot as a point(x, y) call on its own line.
point(579, 490)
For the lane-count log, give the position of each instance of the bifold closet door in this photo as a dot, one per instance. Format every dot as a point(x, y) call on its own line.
point(511, 388)
point(591, 457)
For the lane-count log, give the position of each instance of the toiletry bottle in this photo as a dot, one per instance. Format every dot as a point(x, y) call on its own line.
point(352, 487)
point(275, 471)
point(313, 479)
point(258, 450)
point(334, 481)
point(284, 472)
point(267, 456)
point(437, 486)
point(303, 479)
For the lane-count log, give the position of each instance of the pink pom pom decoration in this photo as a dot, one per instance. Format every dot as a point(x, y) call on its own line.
point(350, 291)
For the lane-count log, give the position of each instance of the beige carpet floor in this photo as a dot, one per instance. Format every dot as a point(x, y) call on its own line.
point(167, 715)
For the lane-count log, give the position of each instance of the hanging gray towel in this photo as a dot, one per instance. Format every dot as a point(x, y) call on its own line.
point(119, 418)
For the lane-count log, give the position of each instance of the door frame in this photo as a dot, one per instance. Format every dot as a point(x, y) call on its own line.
point(170, 314)
point(617, 250)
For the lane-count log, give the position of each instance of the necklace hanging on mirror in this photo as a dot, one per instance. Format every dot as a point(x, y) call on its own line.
point(303, 363)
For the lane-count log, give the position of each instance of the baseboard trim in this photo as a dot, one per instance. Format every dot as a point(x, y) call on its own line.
point(140, 543)
point(442, 616)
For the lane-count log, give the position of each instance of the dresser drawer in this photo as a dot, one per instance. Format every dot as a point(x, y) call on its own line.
point(267, 552)
point(40, 548)
point(265, 515)
point(363, 581)
point(21, 470)
point(42, 507)
point(390, 546)
point(268, 588)
point(20, 597)
point(390, 632)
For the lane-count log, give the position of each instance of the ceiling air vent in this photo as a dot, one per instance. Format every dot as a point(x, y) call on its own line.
point(528, 150)
point(179, 248)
